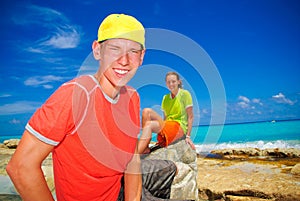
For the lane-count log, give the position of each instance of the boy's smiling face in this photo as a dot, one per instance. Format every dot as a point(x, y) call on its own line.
point(120, 59)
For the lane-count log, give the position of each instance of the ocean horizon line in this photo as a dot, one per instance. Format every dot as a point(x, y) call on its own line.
point(249, 122)
point(228, 123)
point(265, 131)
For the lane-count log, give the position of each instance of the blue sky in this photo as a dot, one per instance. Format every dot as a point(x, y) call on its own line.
point(250, 51)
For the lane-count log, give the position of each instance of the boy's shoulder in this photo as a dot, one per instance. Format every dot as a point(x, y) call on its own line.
point(85, 82)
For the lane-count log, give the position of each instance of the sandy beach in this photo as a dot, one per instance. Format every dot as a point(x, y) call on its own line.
point(248, 179)
point(233, 175)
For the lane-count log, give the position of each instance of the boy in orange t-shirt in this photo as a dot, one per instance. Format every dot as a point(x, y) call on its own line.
point(91, 125)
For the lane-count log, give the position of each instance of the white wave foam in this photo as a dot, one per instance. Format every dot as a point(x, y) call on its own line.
point(206, 148)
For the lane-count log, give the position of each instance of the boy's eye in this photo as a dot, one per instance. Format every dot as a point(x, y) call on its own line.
point(134, 51)
point(114, 48)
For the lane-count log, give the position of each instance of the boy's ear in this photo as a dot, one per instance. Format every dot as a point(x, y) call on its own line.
point(96, 50)
point(142, 56)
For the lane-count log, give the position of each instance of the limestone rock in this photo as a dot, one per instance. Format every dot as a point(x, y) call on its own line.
point(10, 197)
point(12, 143)
point(232, 180)
point(246, 198)
point(185, 182)
point(296, 169)
point(255, 152)
point(282, 153)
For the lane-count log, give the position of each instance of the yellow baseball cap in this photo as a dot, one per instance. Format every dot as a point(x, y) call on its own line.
point(121, 26)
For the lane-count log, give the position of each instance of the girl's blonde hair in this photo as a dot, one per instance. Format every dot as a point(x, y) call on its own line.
point(177, 76)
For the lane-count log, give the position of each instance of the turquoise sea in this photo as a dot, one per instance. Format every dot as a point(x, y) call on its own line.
point(262, 135)
point(279, 134)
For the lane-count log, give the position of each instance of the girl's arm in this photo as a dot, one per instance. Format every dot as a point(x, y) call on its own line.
point(190, 115)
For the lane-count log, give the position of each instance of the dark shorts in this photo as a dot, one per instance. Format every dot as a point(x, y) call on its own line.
point(157, 178)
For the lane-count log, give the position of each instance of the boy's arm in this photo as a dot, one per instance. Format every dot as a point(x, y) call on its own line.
point(25, 171)
point(133, 178)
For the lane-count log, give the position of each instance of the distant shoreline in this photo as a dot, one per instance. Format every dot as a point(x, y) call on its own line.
point(200, 125)
point(248, 122)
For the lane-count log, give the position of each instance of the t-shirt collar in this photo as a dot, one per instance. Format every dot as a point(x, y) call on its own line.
point(176, 94)
point(109, 99)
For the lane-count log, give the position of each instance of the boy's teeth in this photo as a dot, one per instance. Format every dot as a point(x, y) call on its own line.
point(122, 72)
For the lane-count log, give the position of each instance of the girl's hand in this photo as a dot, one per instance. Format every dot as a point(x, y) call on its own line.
point(190, 142)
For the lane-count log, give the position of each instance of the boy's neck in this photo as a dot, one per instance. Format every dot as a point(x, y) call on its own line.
point(107, 87)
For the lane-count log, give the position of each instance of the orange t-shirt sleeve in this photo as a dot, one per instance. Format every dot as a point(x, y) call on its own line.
point(53, 120)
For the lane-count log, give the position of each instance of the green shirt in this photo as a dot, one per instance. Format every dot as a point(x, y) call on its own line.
point(175, 108)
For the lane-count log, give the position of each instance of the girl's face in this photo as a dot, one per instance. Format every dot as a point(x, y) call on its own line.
point(172, 83)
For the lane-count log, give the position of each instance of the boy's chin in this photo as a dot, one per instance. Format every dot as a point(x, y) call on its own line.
point(123, 82)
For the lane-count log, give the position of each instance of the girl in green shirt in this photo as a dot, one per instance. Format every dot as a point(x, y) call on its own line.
point(177, 121)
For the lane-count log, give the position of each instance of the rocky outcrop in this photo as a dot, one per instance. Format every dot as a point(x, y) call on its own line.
point(255, 152)
point(258, 180)
point(185, 182)
point(11, 144)
point(296, 169)
point(9, 197)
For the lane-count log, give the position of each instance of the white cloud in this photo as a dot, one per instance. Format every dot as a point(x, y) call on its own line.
point(205, 111)
point(37, 15)
point(247, 103)
point(14, 121)
point(5, 95)
point(280, 98)
point(58, 32)
point(35, 50)
point(43, 81)
point(19, 107)
point(280, 95)
point(243, 104)
point(63, 39)
point(48, 86)
point(244, 99)
point(257, 101)
point(263, 108)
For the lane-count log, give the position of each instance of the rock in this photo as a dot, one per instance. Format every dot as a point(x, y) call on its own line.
point(246, 198)
point(9, 197)
point(282, 153)
point(48, 173)
point(296, 169)
point(12, 143)
point(185, 182)
point(255, 152)
point(232, 180)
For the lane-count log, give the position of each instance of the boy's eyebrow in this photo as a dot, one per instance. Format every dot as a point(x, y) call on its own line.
point(112, 45)
point(117, 46)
